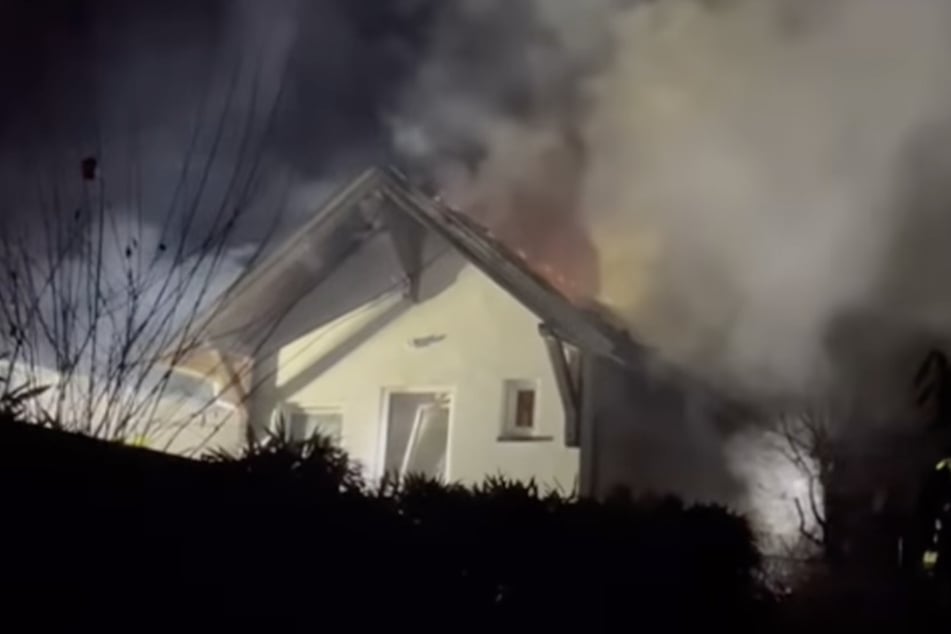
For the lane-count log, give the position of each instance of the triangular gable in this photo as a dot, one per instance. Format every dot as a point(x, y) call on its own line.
point(383, 201)
point(583, 327)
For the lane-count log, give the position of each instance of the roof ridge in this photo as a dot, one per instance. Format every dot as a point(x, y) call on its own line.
point(506, 266)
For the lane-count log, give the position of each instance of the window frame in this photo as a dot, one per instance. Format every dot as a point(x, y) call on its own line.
point(383, 427)
point(289, 410)
point(510, 429)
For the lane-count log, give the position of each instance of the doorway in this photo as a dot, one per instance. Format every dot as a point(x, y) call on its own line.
point(417, 433)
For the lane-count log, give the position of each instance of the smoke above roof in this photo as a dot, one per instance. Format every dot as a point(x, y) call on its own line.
point(763, 180)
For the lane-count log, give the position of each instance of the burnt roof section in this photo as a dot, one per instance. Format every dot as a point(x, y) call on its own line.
point(586, 327)
point(337, 230)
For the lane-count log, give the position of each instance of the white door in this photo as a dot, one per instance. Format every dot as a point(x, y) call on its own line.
point(417, 433)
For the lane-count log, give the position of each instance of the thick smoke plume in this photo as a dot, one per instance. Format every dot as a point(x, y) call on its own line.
point(758, 176)
point(759, 154)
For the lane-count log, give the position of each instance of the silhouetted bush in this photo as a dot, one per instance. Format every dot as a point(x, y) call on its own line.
point(291, 536)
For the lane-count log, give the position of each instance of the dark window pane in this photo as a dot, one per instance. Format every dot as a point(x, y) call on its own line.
point(525, 409)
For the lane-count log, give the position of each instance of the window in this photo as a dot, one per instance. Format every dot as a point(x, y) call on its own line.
point(304, 423)
point(525, 409)
point(521, 408)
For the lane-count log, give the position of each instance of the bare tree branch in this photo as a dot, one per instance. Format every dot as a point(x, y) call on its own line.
point(105, 307)
point(804, 439)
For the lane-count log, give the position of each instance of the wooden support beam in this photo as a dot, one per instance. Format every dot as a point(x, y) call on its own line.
point(407, 236)
point(569, 385)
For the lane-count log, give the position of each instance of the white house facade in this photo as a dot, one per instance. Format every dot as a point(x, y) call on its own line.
point(459, 386)
point(422, 344)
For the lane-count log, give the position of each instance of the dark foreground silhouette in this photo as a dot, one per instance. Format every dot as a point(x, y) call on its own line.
point(290, 537)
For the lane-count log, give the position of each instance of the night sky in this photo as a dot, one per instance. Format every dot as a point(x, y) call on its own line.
point(68, 62)
point(300, 94)
point(76, 68)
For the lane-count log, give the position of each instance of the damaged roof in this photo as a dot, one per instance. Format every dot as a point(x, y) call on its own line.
point(382, 200)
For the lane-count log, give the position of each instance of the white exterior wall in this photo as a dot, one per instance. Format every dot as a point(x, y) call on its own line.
point(487, 338)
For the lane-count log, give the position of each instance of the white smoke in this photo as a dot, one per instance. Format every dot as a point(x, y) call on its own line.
point(759, 156)
point(746, 166)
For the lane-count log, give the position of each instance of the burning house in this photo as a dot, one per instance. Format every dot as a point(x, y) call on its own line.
point(422, 343)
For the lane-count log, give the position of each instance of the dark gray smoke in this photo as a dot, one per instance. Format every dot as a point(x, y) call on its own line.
point(314, 90)
point(158, 89)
